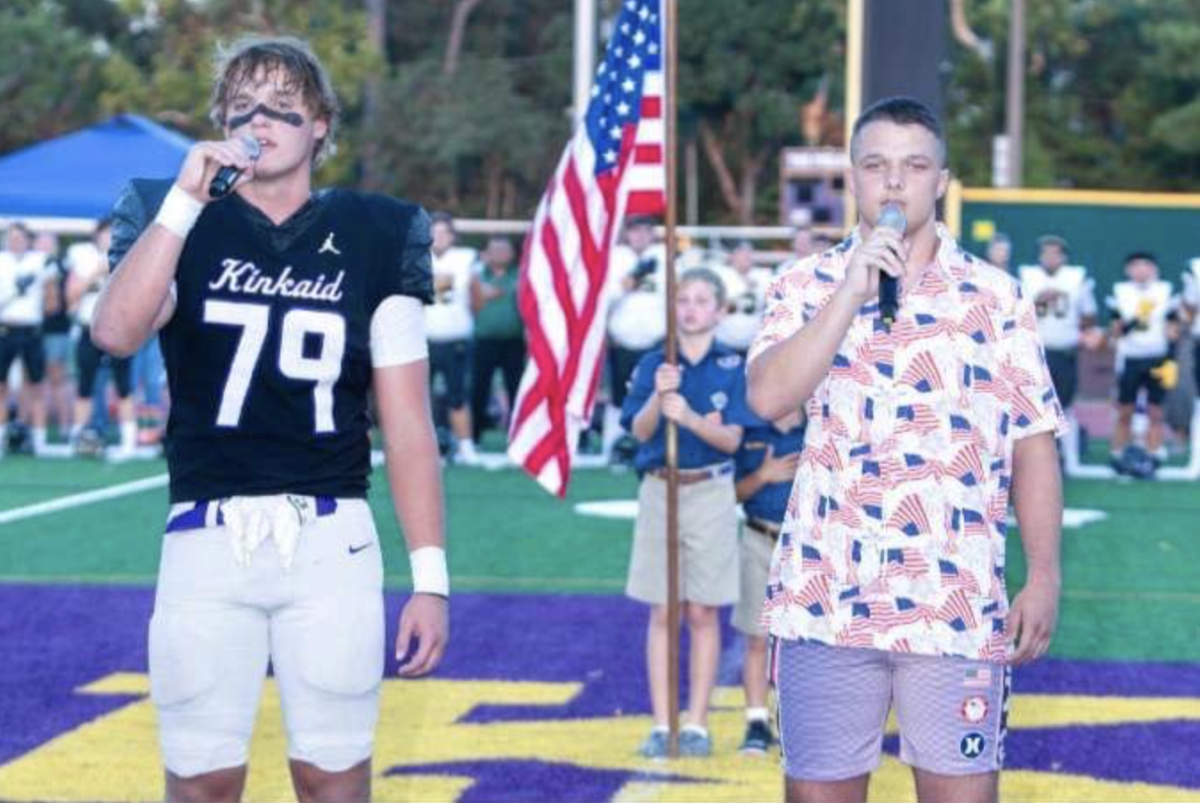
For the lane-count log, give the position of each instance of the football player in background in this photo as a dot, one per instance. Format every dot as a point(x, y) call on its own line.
point(22, 290)
point(89, 271)
point(279, 309)
point(449, 327)
point(746, 287)
point(1144, 329)
point(1065, 301)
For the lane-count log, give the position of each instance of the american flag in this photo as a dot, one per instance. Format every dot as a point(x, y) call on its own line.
point(919, 419)
point(613, 165)
point(957, 608)
point(910, 518)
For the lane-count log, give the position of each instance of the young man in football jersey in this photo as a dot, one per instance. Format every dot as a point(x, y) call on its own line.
point(886, 587)
point(449, 325)
point(745, 287)
point(1144, 329)
point(23, 278)
point(279, 310)
point(1065, 302)
point(90, 269)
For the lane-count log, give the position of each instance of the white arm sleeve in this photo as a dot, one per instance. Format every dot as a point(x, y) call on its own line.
point(398, 332)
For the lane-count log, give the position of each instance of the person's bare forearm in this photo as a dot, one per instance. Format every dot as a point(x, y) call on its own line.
point(645, 423)
point(1037, 501)
point(723, 437)
point(410, 446)
point(417, 487)
point(135, 295)
point(782, 378)
point(749, 485)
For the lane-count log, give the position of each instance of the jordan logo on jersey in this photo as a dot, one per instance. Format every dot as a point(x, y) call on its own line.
point(328, 247)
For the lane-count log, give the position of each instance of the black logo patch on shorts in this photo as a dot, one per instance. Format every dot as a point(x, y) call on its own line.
point(972, 745)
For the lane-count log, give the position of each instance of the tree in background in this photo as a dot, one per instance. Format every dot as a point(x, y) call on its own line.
point(1111, 95)
point(745, 74)
point(164, 67)
point(478, 103)
point(49, 73)
point(471, 98)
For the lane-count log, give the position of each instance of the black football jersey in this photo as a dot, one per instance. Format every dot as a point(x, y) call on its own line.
point(268, 353)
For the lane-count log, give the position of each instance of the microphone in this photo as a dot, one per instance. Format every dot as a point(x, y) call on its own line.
point(890, 217)
point(222, 183)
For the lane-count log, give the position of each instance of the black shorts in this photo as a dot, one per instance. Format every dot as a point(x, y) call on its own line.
point(23, 343)
point(1064, 373)
point(1136, 376)
point(451, 359)
point(88, 359)
point(621, 362)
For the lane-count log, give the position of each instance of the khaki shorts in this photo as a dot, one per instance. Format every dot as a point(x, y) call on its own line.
point(708, 544)
point(755, 554)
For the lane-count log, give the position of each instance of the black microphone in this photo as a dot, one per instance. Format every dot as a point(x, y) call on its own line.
point(890, 217)
point(222, 183)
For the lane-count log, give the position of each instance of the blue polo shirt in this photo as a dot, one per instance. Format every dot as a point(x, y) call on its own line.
point(770, 502)
point(716, 382)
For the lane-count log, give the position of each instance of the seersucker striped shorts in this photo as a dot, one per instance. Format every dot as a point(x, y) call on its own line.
point(834, 704)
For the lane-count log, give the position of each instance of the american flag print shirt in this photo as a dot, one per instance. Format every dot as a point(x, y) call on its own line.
point(895, 528)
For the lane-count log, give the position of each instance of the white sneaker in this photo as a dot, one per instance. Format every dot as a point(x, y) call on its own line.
point(123, 454)
point(465, 454)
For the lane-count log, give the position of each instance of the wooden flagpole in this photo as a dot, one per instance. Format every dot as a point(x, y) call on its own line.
point(672, 355)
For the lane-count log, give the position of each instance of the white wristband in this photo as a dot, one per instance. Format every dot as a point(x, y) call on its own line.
point(429, 571)
point(178, 212)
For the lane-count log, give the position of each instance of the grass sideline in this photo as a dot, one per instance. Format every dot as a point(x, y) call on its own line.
point(1129, 581)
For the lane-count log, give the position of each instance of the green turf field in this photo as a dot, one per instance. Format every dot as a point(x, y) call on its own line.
point(1130, 581)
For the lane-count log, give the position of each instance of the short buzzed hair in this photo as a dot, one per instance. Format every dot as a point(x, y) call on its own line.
point(1141, 256)
point(901, 110)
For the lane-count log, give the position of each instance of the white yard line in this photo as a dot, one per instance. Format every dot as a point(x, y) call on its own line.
point(81, 499)
point(103, 495)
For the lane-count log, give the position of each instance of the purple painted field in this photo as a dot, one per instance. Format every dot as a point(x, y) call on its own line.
point(57, 638)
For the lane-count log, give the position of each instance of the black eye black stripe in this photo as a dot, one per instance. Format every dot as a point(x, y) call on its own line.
point(291, 118)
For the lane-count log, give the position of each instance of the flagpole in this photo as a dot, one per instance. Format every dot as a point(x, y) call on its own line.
point(672, 355)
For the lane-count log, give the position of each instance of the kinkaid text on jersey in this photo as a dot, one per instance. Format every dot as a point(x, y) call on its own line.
point(240, 276)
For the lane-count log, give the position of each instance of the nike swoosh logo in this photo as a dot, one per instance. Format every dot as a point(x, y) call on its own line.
point(354, 550)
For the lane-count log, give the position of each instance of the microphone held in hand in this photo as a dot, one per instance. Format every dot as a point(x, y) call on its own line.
point(222, 183)
point(890, 217)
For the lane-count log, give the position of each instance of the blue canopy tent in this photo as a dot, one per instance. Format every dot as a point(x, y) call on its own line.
point(78, 175)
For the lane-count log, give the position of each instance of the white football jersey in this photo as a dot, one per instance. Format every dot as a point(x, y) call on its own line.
point(449, 318)
point(1147, 306)
point(22, 288)
point(83, 259)
point(637, 318)
point(745, 302)
point(1074, 298)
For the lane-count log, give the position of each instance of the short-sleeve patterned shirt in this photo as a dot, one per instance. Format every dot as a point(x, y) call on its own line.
point(895, 528)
